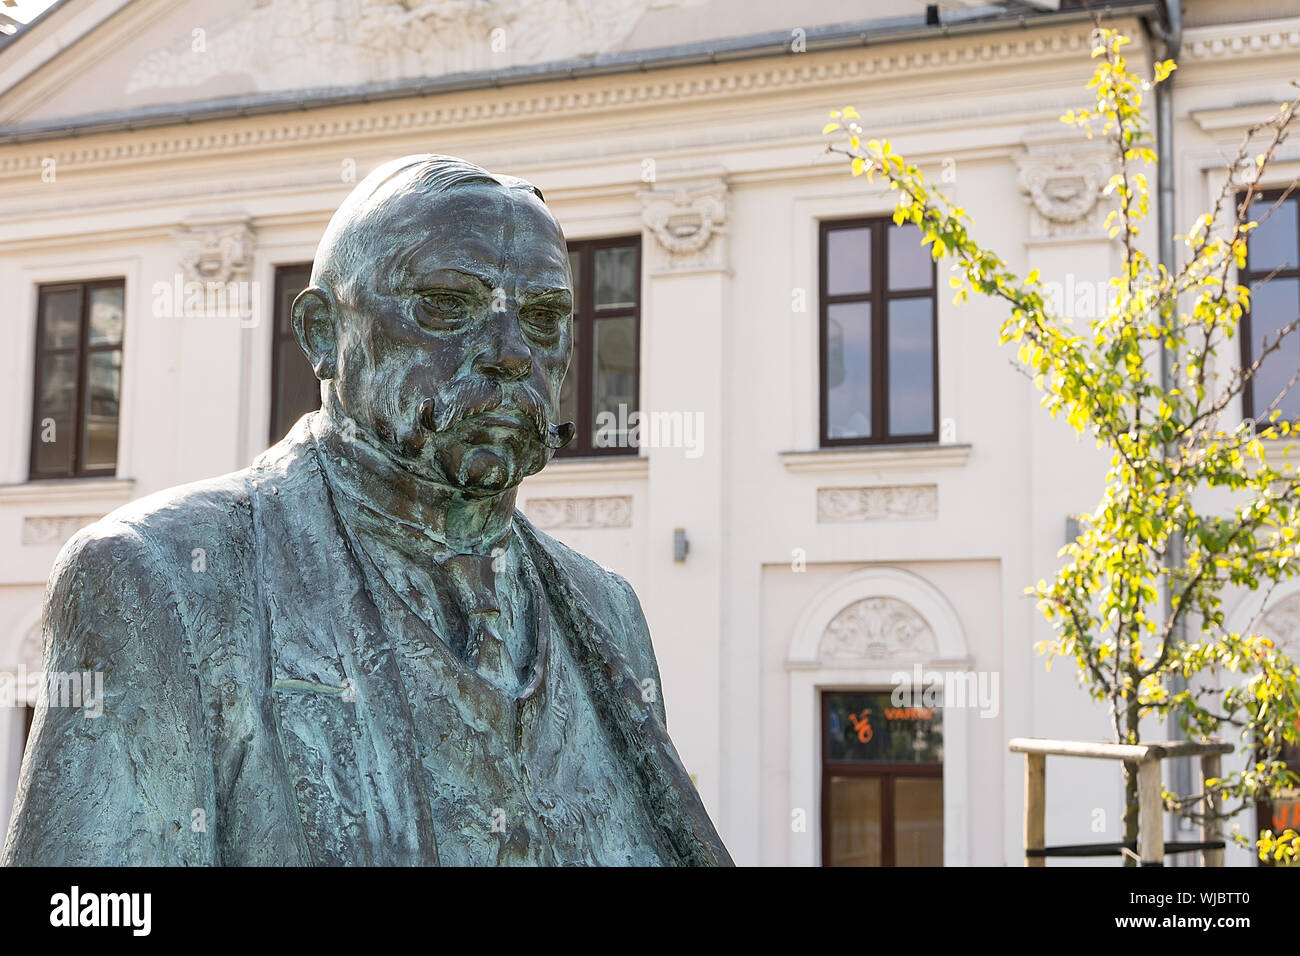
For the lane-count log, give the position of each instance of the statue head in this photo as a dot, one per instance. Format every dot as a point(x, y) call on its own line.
point(439, 320)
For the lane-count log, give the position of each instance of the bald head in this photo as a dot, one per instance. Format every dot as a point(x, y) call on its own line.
point(376, 226)
point(440, 320)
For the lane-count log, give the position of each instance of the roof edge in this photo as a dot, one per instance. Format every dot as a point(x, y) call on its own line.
point(987, 19)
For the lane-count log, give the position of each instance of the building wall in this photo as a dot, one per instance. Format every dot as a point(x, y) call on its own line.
point(976, 517)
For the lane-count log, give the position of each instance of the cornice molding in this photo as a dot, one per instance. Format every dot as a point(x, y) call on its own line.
point(721, 82)
point(1260, 38)
point(60, 490)
point(858, 459)
point(594, 470)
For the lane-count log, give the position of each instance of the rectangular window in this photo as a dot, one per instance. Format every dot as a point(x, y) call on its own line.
point(882, 781)
point(879, 361)
point(78, 379)
point(295, 390)
point(1272, 274)
point(599, 394)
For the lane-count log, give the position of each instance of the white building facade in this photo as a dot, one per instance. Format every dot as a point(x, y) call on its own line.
point(840, 479)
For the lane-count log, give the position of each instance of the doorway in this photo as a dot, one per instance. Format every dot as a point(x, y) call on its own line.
point(882, 781)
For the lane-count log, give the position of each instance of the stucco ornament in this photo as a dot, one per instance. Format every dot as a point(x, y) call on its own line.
point(1064, 190)
point(1282, 624)
point(878, 628)
point(217, 254)
point(357, 651)
point(296, 44)
point(685, 220)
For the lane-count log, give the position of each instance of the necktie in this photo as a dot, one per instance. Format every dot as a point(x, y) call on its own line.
point(474, 581)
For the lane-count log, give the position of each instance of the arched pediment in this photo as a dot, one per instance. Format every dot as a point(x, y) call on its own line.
point(877, 629)
point(877, 615)
point(1282, 623)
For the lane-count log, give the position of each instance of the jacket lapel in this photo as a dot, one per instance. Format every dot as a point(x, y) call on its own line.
point(336, 695)
point(634, 728)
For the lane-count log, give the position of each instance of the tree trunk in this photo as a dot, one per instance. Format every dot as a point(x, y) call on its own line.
point(1131, 780)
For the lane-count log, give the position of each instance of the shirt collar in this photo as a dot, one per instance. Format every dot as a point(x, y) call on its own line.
point(432, 518)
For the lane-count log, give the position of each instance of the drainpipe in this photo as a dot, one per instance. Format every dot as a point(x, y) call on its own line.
point(1170, 32)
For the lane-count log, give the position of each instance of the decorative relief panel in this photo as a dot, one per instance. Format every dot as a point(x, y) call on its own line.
point(878, 628)
point(221, 253)
point(1282, 624)
point(1064, 187)
point(577, 513)
point(299, 44)
point(873, 504)
point(54, 529)
point(688, 223)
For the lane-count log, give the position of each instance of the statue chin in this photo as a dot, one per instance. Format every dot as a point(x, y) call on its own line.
point(489, 468)
point(486, 468)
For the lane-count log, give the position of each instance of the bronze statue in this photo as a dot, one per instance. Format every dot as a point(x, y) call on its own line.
point(356, 651)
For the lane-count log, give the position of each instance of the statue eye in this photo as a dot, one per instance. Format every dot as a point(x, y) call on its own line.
point(442, 307)
point(542, 323)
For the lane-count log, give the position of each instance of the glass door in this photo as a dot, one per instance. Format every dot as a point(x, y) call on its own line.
point(882, 781)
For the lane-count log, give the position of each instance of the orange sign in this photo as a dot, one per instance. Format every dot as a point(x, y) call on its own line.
point(862, 724)
point(908, 713)
point(1286, 815)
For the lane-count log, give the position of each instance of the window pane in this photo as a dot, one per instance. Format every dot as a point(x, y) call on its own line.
point(911, 367)
point(855, 811)
point(910, 265)
point(918, 821)
point(106, 316)
point(614, 380)
point(575, 270)
point(568, 410)
point(616, 278)
point(848, 261)
point(104, 387)
point(866, 726)
point(291, 280)
point(53, 434)
point(61, 318)
point(1272, 305)
point(1273, 242)
point(297, 388)
point(848, 370)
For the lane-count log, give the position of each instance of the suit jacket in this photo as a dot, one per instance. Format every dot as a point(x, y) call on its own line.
point(253, 711)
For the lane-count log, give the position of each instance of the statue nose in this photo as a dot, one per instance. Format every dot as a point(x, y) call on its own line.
point(510, 360)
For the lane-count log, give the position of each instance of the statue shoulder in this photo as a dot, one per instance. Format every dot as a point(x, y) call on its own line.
point(194, 527)
point(612, 601)
point(167, 525)
point(601, 586)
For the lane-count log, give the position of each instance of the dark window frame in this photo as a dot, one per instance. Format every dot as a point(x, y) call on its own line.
point(1245, 277)
point(81, 399)
point(281, 340)
point(887, 772)
point(583, 361)
point(879, 298)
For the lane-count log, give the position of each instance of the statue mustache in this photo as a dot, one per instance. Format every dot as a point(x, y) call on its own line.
point(465, 398)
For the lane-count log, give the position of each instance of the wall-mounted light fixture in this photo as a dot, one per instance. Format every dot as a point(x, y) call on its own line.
point(681, 546)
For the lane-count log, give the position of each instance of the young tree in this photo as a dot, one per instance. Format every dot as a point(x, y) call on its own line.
point(1138, 602)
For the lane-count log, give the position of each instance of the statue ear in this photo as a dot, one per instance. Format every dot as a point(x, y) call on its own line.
point(315, 318)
